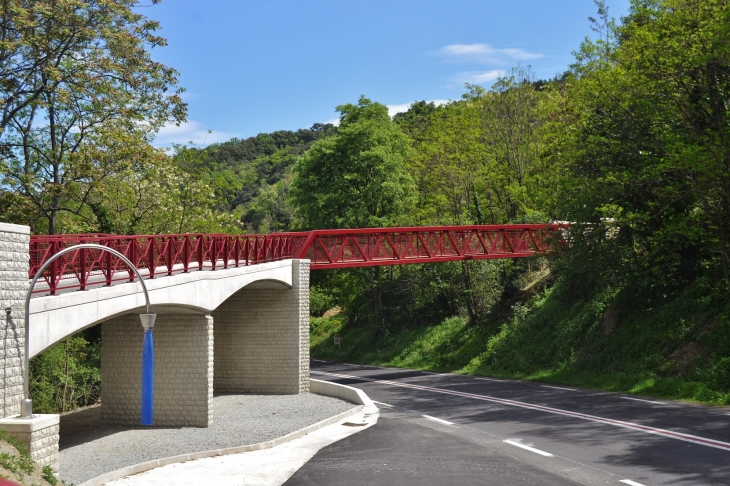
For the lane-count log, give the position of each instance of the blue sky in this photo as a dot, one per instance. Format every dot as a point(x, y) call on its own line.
point(259, 66)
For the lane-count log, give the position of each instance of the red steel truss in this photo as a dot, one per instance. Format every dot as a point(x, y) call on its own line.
point(158, 255)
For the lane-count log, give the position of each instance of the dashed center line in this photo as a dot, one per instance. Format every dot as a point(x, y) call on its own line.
point(445, 422)
point(630, 482)
point(557, 387)
point(384, 404)
point(528, 448)
point(645, 401)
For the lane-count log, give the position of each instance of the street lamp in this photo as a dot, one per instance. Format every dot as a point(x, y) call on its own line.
point(148, 323)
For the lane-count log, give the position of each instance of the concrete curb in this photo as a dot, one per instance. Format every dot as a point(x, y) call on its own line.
point(338, 391)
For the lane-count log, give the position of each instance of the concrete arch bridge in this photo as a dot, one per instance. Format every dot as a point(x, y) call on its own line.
point(249, 291)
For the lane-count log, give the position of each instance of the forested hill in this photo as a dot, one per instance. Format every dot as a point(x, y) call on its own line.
point(251, 177)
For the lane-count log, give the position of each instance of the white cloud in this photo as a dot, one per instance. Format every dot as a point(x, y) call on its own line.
point(403, 107)
point(188, 132)
point(188, 96)
point(483, 53)
point(473, 77)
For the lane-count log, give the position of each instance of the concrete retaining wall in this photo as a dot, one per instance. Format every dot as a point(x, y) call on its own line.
point(183, 370)
point(262, 338)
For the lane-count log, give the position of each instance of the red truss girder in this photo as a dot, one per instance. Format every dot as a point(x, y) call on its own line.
point(397, 246)
point(158, 255)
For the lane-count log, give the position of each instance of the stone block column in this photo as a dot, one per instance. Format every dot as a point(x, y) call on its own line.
point(14, 283)
point(183, 370)
point(39, 433)
point(262, 339)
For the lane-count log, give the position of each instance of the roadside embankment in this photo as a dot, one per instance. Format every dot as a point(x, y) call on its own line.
point(679, 349)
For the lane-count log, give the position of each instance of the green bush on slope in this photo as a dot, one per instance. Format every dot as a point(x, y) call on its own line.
point(680, 349)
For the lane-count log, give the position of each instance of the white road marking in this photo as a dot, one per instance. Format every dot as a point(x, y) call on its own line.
point(557, 387)
point(320, 360)
point(645, 401)
point(486, 379)
point(528, 448)
point(445, 422)
point(630, 482)
point(694, 439)
point(384, 404)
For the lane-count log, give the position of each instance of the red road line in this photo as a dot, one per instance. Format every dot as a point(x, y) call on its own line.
point(514, 403)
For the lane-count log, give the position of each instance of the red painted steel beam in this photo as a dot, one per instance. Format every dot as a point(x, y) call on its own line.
point(157, 255)
point(350, 248)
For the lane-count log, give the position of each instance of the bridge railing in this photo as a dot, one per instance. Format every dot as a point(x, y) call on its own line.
point(153, 255)
point(159, 255)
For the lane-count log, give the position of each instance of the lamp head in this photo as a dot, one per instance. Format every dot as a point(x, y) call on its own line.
point(148, 321)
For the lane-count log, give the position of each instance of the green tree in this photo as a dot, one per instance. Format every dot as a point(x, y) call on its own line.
point(76, 79)
point(356, 178)
point(648, 140)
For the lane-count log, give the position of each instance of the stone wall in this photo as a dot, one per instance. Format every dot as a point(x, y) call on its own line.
point(183, 370)
point(39, 434)
point(14, 265)
point(262, 339)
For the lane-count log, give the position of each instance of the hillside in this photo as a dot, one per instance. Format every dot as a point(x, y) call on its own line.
point(562, 334)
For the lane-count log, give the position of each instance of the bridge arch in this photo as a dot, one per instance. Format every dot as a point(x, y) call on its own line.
point(52, 319)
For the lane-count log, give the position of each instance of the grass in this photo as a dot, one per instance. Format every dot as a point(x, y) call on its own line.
point(16, 464)
point(680, 350)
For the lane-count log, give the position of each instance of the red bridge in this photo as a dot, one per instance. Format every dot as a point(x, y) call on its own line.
point(159, 255)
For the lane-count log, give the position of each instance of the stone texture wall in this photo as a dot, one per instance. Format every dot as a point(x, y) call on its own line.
point(39, 434)
point(42, 445)
point(262, 339)
point(14, 265)
point(183, 370)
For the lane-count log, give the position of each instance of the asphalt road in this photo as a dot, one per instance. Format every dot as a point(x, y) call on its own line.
point(443, 429)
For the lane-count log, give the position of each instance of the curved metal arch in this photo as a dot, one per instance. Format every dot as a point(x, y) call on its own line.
point(39, 273)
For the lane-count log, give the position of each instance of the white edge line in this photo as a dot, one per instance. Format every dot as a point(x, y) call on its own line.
point(645, 401)
point(630, 482)
point(557, 388)
point(526, 447)
point(485, 379)
point(438, 420)
point(383, 404)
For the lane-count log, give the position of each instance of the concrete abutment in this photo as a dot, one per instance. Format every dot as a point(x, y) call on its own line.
point(262, 338)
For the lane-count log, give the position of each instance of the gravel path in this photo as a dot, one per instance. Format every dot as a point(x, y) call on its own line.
point(88, 451)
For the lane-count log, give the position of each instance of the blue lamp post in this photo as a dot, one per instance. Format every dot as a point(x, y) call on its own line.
point(148, 323)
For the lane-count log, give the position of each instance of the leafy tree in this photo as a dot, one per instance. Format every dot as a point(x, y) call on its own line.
point(356, 178)
point(648, 140)
point(77, 81)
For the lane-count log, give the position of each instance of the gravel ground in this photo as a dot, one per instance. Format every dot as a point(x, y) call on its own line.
point(88, 451)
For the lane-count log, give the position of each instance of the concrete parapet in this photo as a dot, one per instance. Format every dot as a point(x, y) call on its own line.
point(183, 370)
point(39, 434)
point(262, 338)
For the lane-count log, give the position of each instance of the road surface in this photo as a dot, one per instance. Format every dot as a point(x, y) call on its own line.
point(444, 429)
